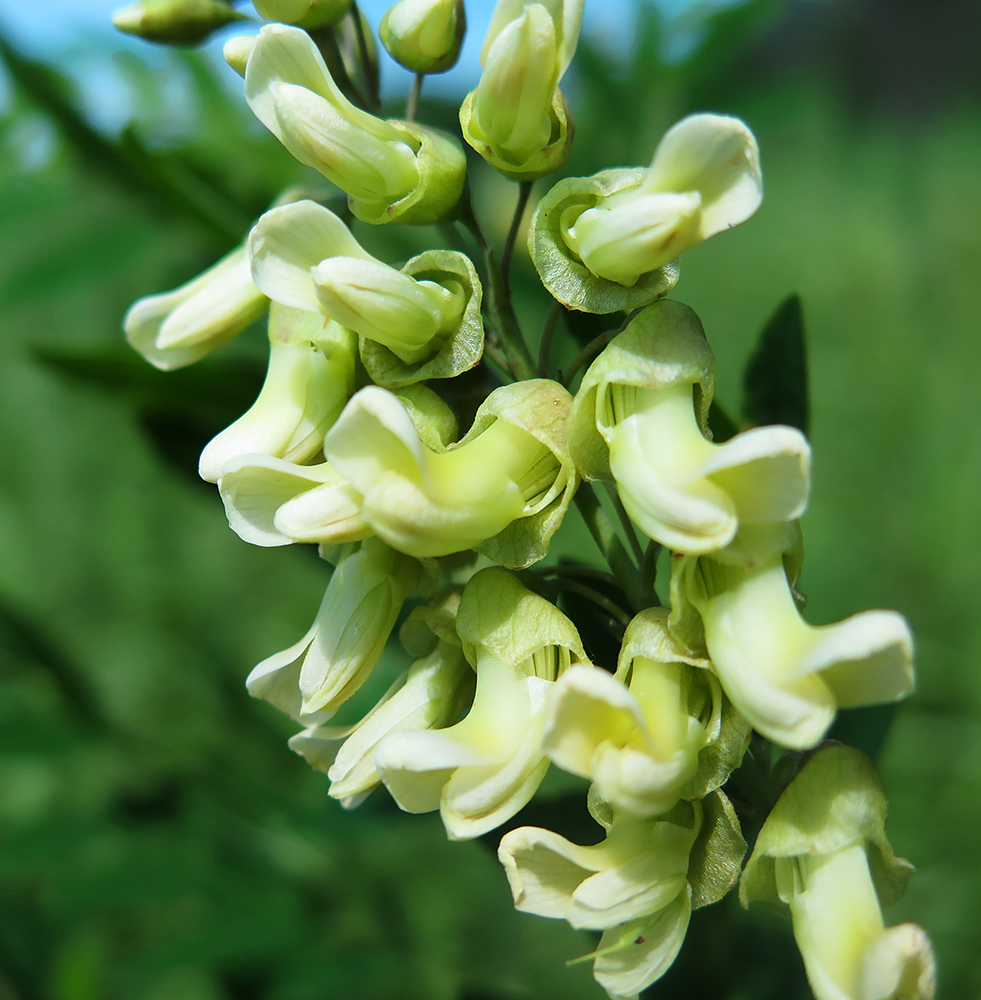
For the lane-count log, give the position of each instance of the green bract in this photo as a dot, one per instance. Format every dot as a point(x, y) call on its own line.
point(561, 270)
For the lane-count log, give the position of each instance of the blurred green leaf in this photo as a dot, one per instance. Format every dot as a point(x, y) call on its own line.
point(775, 381)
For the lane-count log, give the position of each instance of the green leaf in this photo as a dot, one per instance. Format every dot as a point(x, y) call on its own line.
point(775, 380)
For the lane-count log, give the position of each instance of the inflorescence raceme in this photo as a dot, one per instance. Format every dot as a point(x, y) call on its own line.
point(353, 446)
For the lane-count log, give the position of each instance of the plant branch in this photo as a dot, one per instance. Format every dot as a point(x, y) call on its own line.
point(545, 344)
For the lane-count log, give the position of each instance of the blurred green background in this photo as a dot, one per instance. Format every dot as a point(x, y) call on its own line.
point(158, 841)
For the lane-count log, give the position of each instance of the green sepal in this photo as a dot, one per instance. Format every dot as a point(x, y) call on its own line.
point(442, 169)
point(542, 163)
point(434, 420)
point(539, 407)
point(562, 272)
point(499, 614)
point(430, 623)
point(661, 346)
point(460, 350)
point(717, 854)
point(836, 801)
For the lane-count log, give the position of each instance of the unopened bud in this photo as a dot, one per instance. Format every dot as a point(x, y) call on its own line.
point(303, 13)
point(237, 51)
point(424, 35)
point(174, 22)
point(385, 305)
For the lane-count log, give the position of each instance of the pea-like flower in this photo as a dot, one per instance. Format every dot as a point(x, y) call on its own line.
point(823, 854)
point(657, 731)
point(517, 118)
point(389, 170)
point(503, 489)
point(174, 22)
point(176, 328)
point(704, 178)
point(785, 676)
point(638, 886)
point(482, 770)
point(270, 501)
point(640, 417)
point(303, 393)
point(312, 678)
point(303, 256)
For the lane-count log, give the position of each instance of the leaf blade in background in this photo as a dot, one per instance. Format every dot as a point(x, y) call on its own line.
point(775, 380)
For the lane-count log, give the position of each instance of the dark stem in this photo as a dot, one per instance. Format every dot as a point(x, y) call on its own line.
point(593, 348)
point(369, 73)
point(612, 609)
point(545, 344)
point(626, 523)
point(524, 193)
point(499, 302)
point(326, 41)
point(412, 106)
point(648, 573)
point(609, 543)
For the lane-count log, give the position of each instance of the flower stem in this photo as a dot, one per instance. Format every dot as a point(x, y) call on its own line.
point(412, 106)
point(609, 543)
point(524, 193)
point(545, 344)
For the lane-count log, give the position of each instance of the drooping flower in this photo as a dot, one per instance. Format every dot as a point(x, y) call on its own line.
point(640, 418)
point(785, 676)
point(482, 770)
point(304, 391)
point(389, 170)
point(823, 854)
point(657, 731)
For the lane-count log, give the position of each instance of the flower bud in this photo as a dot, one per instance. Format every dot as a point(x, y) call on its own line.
point(424, 35)
point(785, 676)
point(174, 22)
point(390, 170)
point(304, 391)
point(639, 736)
point(386, 306)
point(176, 328)
point(236, 52)
point(303, 13)
point(823, 854)
point(482, 770)
point(516, 118)
point(430, 503)
point(310, 680)
point(640, 417)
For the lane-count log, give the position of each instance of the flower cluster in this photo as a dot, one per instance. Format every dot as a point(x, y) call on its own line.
point(445, 538)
